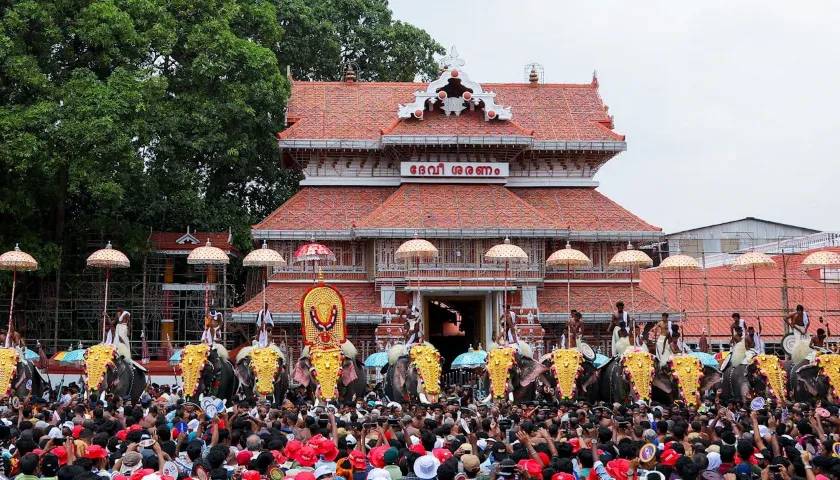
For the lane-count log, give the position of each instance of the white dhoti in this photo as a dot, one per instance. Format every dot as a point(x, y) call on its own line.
point(122, 335)
point(663, 350)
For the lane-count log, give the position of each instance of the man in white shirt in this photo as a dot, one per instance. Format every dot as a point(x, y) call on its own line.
point(264, 325)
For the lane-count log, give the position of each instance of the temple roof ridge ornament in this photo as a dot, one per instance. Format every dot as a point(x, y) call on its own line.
point(455, 92)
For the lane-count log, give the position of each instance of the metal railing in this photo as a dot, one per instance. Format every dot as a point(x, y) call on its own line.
point(792, 245)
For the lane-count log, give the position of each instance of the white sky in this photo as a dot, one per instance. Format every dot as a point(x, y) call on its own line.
point(729, 107)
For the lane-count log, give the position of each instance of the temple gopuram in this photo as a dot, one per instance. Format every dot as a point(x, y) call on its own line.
point(464, 165)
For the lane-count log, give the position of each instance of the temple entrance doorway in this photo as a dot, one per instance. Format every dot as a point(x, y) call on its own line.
point(454, 324)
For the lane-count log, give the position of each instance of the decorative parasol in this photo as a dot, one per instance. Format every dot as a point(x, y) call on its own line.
point(708, 360)
point(207, 255)
point(175, 359)
point(416, 249)
point(16, 261)
point(632, 259)
point(600, 360)
point(107, 258)
point(822, 259)
point(73, 356)
point(315, 252)
point(377, 360)
point(508, 253)
point(753, 261)
point(570, 258)
point(264, 257)
point(679, 263)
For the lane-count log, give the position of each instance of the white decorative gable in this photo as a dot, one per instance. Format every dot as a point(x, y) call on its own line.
point(187, 238)
point(464, 93)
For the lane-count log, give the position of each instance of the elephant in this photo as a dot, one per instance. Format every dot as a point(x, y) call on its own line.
point(805, 382)
point(586, 384)
point(28, 380)
point(249, 379)
point(747, 379)
point(403, 377)
point(666, 391)
point(352, 383)
point(112, 370)
point(207, 372)
point(614, 384)
point(523, 377)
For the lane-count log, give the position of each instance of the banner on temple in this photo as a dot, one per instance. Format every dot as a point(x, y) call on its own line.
point(323, 317)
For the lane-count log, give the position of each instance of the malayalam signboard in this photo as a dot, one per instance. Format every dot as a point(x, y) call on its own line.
point(454, 169)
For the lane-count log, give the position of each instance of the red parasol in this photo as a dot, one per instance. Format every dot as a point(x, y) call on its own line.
point(315, 252)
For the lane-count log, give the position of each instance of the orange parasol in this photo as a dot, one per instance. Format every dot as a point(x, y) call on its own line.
point(508, 253)
point(264, 257)
point(753, 261)
point(822, 259)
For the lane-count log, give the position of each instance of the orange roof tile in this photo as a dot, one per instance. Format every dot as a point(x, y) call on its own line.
point(285, 298)
point(431, 206)
point(595, 299)
point(363, 110)
point(582, 209)
point(730, 291)
point(325, 208)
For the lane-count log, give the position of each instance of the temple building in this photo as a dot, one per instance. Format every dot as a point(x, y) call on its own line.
point(464, 165)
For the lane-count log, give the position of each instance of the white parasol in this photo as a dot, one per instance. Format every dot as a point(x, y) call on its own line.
point(264, 258)
point(16, 261)
point(107, 258)
point(207, 255)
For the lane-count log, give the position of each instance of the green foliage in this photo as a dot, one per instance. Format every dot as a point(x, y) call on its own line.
point(118, 117)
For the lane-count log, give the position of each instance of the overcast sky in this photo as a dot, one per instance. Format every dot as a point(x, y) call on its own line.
point(729, 107)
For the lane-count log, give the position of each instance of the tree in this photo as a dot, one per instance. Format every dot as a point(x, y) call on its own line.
point(322, 35)
point(121, 116)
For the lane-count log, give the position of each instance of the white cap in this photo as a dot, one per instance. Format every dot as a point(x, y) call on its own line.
point(349, 440)
point(192, 425)
point(326, 469)
point(377, 474)
point(55, 432)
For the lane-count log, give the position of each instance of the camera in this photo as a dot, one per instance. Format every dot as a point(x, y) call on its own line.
point(505, 423)
point(323, 420)
point(394, 422)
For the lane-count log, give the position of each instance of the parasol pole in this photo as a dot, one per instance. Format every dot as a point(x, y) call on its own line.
point(632, 307)
point(105, 306)
point(568, 302)
point(755, 288)
point(11, 309)
point(265, 285)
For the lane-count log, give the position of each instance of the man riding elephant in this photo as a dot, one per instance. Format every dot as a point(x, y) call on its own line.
point(747, 374)
point(20, 377)
point(413, 374)
point(262, 372)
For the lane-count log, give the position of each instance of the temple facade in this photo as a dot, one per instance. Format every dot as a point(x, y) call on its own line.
point(464, 165)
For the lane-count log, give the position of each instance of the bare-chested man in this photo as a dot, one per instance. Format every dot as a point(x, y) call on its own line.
point(575, 328)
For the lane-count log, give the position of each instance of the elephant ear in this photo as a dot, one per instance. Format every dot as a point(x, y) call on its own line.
point(807, 376)
point(301, 374)
point(529, 370)
point(348, 373)
point(711, 378)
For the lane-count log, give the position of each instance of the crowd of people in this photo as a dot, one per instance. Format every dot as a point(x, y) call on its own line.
point(163, 437)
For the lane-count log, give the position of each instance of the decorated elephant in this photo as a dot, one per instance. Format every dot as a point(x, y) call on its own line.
point(206, 370)
point(262, 372)
point(513, 374)
point(112, 370)
point(685, 378)
point(629, 377)
point(20, 377)
point(413, 375)
point(569, 375)
point(338, 369)
point(745, 377)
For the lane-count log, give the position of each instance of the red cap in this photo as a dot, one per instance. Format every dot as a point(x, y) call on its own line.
point(77, 430)
point(243, 457)
point(306, 456)
point(618, 468)
point(139, 474)
point(122, 434)
point(61, 453)
point(575, 443)
point(250, 475)
point(669, 457)
point(95, 452)
point(38, 452)
point(279, 458)
point(305, 475)
point(292, 448)
point(544, 458)
point(377, 456)
point(119, 477)
point(442, 454)
point(418, 448)
point(562, 476)
point(331, 452)
point(533, 467)
point(357, 460)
